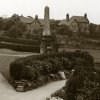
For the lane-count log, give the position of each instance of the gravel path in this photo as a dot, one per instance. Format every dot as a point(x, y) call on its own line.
point(8, 93)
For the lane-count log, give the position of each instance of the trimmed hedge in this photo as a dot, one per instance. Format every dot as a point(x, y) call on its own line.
point(20, 47)
point(20, 41)
point(32, 67)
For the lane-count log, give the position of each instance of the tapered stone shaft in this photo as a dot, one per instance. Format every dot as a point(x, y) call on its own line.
point(46, 31)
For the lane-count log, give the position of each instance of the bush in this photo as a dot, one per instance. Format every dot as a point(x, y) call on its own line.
point(20, 41)
point(37, 65)
point(20, 47)
point(84, 83)
point(44, 68)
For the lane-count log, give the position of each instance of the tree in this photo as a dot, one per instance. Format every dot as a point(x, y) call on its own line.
point(37, 33)
point(16, 30)
point(64, 30)
point(1, 23)
point(14, 27)
point(9, 22)
point(94, 30)
point(84, 83)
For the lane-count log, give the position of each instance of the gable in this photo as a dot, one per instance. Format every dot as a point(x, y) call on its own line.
point(74, 23)
point(36, 21)
point(30, 20)
point(26, 20)
point(79, 19)
point(74, 26)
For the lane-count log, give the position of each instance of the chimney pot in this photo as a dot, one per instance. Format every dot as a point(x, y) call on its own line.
point(85, 15)
point(67, 17)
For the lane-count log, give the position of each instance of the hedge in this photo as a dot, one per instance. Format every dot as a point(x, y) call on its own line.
point(20, 47)
point(20, 41)
point(32, 67)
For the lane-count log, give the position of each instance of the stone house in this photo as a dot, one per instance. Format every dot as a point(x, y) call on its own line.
point(32, 23)
point(35, 23)
point(78, 24)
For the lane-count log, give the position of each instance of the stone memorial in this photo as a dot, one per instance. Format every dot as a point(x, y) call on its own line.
point(48, 45)
point(46, 31)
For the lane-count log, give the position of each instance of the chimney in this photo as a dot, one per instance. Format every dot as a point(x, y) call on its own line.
point(36, 17)
point(67, 17)
point(85, 15)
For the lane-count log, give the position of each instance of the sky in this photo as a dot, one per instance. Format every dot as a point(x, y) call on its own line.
point(58, 8)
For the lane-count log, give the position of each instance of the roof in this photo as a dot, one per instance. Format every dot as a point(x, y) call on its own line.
point(79, 19)
point(41, 21)
point(26, 19)
point(29, 20)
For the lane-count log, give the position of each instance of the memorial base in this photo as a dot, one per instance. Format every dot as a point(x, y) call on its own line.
point(48, 45)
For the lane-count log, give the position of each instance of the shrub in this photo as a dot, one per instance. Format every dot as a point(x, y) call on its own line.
point(44, 68)
point(20, 41)
point(83, 84)
point(20, 47)
point(36, 65)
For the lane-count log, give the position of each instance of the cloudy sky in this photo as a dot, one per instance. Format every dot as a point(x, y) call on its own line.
point(58, 8)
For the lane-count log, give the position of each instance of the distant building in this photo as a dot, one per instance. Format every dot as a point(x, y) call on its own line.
point(35, 23)
point(32, 23)
point(78, 24)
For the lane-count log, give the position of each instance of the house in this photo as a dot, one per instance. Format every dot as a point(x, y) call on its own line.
point(36, 23)
point(32, 23)
point(78, 24)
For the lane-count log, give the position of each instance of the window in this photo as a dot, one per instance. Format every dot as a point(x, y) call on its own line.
point(74, 26)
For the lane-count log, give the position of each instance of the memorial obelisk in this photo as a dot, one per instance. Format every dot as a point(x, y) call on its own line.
point(46, 31)
point(46, 45)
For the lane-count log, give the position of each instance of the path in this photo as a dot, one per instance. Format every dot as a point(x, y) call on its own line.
point(8, 93)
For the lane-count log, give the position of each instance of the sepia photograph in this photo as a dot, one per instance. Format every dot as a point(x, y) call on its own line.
point(49, 50)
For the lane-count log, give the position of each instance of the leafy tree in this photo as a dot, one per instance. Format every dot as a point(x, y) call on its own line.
point(1, 23)
point(64, 30)
point(37, 33)
point(9, 22)
point(84, 83)
point(94, 30)
point(14, 27)
point(16, 30)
